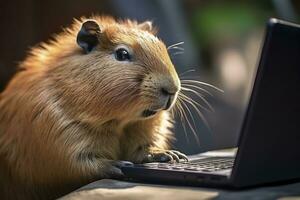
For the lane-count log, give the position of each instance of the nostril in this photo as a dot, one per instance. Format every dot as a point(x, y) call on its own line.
point(166, 92)
point(167, 97)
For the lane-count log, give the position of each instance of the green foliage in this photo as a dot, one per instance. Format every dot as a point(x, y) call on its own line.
point(224, 21)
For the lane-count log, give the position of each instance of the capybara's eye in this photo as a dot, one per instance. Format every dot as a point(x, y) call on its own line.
point(122, 54)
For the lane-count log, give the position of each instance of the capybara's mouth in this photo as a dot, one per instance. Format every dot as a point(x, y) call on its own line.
point(148, 113)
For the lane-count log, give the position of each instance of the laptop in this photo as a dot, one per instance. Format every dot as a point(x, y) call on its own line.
point(269, 144)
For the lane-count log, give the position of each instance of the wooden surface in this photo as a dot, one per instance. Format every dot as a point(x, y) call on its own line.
point(108, 189)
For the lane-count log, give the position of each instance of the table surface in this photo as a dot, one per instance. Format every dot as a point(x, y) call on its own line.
point(108, 189)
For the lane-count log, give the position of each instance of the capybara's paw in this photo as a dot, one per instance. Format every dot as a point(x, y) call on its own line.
point(165, 156)
point(114, 171)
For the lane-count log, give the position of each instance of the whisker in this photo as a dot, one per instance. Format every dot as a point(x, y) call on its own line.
point(189, 123)
point(181, 110)
point(177, 53)
point(176, 44)
point(193, 120)
point(187, 71)
point(192, 100)
point(189, 86)
point(202, 83)
point(199, 113)
point(197, 87)
point(176, 48)
point(190, 76)
point(200, 96)
point(176, 110)
point(172, 113)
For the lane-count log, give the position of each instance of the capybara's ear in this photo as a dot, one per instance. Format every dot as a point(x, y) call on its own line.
point(146, 26)
point(88, 36)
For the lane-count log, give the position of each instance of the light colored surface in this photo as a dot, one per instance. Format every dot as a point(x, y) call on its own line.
point(115, 190)
point(108, 189)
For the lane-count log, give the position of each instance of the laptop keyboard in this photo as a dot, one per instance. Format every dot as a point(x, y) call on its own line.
point(210, 164)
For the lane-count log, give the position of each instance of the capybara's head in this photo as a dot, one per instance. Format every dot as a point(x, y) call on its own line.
point(102, 68)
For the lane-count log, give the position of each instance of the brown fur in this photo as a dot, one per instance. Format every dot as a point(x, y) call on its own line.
point(65, 106)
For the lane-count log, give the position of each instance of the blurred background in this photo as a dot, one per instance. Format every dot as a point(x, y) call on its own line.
point(222, 40)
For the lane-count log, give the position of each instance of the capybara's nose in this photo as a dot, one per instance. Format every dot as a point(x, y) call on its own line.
point(169, 96)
